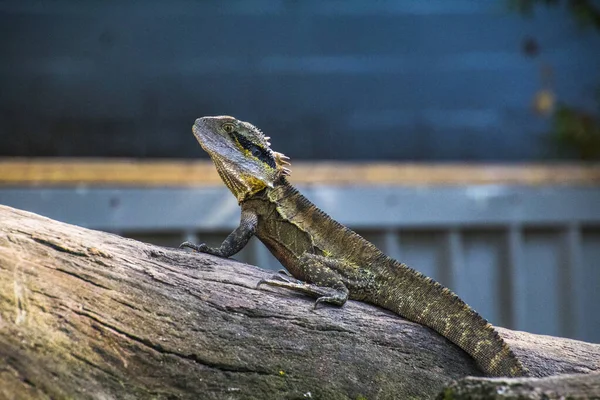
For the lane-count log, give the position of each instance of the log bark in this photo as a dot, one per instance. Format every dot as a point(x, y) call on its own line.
point(91, 315)
point(558, 387)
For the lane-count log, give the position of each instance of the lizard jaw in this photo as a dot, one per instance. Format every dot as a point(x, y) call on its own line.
point(242, 173)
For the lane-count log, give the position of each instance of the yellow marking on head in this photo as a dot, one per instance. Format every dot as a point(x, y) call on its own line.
point(248, 154)
point(239, 145)
point(252, 184)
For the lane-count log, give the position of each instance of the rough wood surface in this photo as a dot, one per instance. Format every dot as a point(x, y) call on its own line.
point(86, 314)
point(98, 172)
point(559, 387)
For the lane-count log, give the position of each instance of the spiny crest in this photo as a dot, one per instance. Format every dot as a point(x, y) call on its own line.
point(255, 134)
point(281, 160)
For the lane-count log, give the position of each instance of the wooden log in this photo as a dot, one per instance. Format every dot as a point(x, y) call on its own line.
point(558, 387)
point(91, 315)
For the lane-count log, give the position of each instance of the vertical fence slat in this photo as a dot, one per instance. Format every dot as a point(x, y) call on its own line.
point(518, 280)
point(572, 276)
point(588, 285)
point(392, 244)
point(456, 261)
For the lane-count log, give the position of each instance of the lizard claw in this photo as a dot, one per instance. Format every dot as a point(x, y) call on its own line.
point(284, 272)
point(261, 282)
point(335, 300)
point(316, 305)
point(267, 282)
point(197, 247)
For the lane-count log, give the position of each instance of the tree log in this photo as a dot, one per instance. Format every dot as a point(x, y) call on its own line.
point(559, 387)
point(91, 315)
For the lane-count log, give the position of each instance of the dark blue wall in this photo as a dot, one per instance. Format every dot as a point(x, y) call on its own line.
point(397, 80)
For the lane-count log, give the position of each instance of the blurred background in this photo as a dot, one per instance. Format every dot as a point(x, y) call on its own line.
point(461, 137)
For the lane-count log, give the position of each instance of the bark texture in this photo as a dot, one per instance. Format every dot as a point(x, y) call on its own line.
point(555, 387)
point(90, 315)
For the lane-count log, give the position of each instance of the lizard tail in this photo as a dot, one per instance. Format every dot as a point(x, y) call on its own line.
point(429, 303)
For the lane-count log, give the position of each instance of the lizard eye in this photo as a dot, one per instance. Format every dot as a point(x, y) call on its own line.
point(228, 128)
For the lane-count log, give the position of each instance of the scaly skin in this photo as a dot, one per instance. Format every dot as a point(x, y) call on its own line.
point(326, 259)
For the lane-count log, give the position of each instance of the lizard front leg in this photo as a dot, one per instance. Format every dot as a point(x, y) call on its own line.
point(234, 242)
point(323, 282)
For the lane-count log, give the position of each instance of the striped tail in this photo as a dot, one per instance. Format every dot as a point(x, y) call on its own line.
point(418, 298)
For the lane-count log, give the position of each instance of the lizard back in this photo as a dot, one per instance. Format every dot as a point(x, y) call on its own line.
point(290, 225)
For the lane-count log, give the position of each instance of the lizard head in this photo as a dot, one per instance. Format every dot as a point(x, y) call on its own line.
point(241, 153)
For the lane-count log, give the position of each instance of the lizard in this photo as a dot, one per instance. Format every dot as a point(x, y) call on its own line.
point(326, 260)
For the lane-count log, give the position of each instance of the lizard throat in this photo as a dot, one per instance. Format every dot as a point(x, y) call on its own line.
point(240, 184)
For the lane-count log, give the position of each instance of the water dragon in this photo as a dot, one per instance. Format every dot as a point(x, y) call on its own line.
point(327, 260)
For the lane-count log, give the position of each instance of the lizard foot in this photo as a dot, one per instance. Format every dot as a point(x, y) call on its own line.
point(338, 299)
point(197, 247)
point(323, 294)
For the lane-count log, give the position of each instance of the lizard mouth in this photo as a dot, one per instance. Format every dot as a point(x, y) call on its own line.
point(210, 140)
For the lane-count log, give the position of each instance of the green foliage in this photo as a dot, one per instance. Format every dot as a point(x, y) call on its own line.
point(585, 12)
point(576, 132)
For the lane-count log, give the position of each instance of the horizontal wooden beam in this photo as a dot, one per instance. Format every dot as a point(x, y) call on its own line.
point(160, 173)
